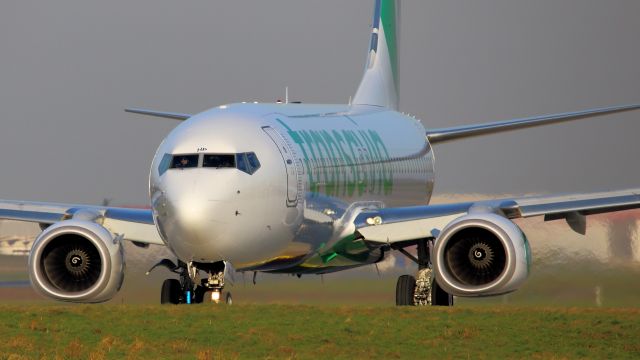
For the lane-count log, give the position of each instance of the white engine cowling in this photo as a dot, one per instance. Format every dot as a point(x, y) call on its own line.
point(481, 255)
point(77, 261)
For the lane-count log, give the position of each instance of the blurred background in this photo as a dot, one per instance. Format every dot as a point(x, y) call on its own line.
point(69, 67)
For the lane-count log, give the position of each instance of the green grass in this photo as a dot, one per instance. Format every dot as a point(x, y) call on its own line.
point(303, 331)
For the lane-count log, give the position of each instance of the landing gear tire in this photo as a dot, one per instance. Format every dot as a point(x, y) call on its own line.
point(225, 297)
point(199, 294)
point(440, 297)
point(170, 293)
point(405, 288)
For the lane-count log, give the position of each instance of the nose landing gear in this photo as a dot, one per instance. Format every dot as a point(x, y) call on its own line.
point(213, 286)
point(185, 290)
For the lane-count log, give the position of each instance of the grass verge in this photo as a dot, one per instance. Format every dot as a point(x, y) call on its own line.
point(301, 331)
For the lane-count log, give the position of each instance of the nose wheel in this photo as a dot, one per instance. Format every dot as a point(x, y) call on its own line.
point(185, 290)
point(218, 297)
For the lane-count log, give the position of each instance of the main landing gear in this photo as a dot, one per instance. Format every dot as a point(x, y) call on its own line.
point(190, 289)
point(421, 290)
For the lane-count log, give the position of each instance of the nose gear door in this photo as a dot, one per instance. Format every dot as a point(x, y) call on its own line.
point(294, 179)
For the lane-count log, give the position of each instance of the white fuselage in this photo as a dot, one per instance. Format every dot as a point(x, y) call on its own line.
point(316, 163)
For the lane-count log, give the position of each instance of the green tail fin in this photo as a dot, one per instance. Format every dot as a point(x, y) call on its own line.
point(379, 85)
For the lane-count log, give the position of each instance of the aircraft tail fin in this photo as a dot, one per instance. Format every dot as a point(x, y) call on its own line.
point(379, 85)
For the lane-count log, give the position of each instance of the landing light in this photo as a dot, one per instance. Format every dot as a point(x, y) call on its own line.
point(215, 296)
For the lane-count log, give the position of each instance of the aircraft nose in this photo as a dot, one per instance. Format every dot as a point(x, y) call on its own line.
point(193, 227)
point(187, 208)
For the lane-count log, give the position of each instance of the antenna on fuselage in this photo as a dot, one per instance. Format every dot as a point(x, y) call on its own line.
point(286, 94)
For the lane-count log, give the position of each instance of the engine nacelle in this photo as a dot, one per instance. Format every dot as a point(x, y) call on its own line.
point(481, 255)
point(77, 261)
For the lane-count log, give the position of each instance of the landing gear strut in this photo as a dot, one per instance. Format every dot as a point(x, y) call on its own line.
point(422, 290)
point(190, 289)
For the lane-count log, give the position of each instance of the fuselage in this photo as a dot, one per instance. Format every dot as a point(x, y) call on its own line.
point(273, 187)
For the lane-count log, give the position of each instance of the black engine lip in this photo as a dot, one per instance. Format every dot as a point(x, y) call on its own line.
point(41, 281)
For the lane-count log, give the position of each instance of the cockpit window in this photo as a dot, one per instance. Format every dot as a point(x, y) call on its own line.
point(184, 161)
point(242, 164)
point(165, 163)
point(245, 162)
point(253, 162)
point(219, 161)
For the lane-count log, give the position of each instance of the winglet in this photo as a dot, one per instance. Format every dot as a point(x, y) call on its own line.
point(168, 115)
point(379, 85)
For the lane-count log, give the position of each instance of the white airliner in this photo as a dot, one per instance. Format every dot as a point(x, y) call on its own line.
point(305, 189)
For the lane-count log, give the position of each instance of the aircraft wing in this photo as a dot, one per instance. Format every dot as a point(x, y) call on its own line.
point(396, 225)
point(453, 133)
point(135, 225)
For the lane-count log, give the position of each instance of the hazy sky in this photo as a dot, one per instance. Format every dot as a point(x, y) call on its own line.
point(68, 68)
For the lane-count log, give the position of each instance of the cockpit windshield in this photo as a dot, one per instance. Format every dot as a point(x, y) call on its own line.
point(219, 161)
point(245, 162)
point(184, 161)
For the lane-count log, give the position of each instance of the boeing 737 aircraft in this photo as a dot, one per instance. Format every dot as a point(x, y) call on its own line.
point(305, 189)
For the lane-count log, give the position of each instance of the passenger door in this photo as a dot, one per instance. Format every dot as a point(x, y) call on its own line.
point(294, 178)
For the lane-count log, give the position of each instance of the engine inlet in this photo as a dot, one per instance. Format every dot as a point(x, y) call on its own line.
point(475, 256)
point(71, 263)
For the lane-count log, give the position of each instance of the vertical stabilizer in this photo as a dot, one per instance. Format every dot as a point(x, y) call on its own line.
point(379, 85)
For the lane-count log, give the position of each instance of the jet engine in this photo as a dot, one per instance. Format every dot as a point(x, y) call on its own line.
point(77, 261)
point(480, 255)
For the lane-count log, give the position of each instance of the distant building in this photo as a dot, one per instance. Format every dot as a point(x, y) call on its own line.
point(16, 237)
point(15, 245)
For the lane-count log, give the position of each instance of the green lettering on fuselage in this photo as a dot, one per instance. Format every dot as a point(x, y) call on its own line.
point(339, 162)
